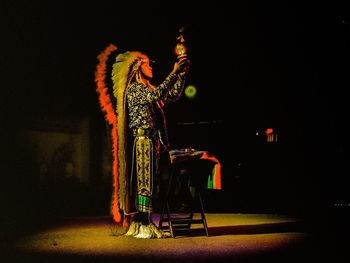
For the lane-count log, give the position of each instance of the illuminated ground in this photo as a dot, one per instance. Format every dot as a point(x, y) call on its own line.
point(233, 237)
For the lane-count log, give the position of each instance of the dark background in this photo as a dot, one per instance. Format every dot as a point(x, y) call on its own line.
point(256, 64)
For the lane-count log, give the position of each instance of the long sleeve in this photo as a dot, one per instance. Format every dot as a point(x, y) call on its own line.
point(168, 91)
point(175, 90)
point(141, 100)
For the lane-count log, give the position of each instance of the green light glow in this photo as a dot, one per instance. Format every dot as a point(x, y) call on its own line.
point(190, 91)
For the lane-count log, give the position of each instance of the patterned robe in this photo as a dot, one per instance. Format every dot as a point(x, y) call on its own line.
point(147, 125)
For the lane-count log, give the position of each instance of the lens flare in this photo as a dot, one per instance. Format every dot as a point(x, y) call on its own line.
point(190, 91)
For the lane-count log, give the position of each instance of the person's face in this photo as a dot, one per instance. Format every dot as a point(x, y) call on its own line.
point(146, 68)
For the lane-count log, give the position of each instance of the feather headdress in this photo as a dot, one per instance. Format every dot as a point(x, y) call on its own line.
point(107, 108)
point(124, 68)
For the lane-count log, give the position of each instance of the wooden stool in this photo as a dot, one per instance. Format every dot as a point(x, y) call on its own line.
point(180, 223)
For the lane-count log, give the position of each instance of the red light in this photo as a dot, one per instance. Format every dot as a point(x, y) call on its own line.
point(268, 131)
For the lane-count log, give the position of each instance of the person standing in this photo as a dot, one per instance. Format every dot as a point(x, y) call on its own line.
point(140, 134)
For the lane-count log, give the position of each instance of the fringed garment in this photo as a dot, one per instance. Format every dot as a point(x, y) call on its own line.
point(138, 129)
point(149, 138)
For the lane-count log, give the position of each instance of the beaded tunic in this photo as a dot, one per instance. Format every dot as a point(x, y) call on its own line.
point(143, 100)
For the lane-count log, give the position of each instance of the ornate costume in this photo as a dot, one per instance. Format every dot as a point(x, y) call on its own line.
point(139, 135)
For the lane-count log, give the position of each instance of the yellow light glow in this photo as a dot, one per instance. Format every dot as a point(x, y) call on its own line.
point(190, 91)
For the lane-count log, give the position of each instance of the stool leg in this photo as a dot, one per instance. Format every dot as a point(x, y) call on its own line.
point(203, 214)
point(165, 205)
point(169, 221)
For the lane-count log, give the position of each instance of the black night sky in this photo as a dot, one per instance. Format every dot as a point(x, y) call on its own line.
point(256, 64)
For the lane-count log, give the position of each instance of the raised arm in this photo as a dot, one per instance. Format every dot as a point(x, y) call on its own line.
point(169, 90)
point(174, 91)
